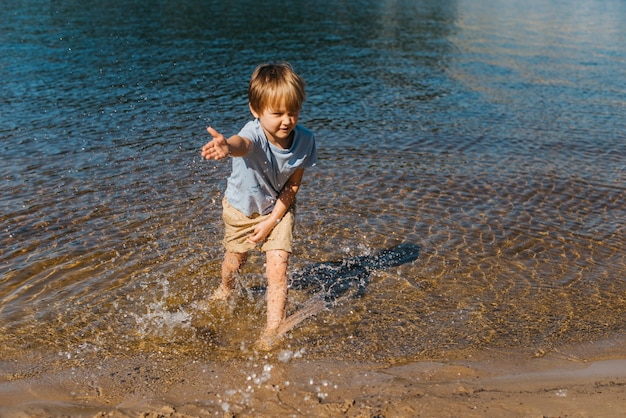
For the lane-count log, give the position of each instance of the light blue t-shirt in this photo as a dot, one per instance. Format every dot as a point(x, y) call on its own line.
point(258, 178)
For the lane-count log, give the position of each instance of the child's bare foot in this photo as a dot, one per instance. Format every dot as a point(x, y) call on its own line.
point(268, 338)
point(221, 294)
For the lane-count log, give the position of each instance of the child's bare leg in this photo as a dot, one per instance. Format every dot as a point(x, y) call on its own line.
point(276, 295)
point(230, 267)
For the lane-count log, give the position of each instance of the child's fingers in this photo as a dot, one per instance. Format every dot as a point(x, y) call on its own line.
point(255, 236)
point(213, 132)
point(252, 239)
point(207, 149)
point(212, 151)
point(259, 234)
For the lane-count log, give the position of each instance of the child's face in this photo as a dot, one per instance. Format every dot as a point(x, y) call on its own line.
point(278, 123)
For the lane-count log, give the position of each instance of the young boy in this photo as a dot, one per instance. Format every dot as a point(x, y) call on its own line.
point(269, 154)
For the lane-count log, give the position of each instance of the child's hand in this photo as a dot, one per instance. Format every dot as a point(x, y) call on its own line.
point(217, 148)
point(261, 231)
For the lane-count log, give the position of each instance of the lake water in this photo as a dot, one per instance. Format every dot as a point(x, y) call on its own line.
point(490, 134)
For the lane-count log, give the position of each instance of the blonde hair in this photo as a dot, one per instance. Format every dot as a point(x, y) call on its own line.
point(276, 85)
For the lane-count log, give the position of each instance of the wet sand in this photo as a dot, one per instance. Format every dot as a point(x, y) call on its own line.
point(286, 383)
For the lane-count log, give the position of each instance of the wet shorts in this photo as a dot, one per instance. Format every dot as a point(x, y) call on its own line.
point(239, 227)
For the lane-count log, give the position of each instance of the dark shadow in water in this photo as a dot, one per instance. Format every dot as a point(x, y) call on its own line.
point(334, 279)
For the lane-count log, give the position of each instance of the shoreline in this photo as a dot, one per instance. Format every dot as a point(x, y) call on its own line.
point(284, 383)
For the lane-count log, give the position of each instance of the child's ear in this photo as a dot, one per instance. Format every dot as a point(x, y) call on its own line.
point(254, 113)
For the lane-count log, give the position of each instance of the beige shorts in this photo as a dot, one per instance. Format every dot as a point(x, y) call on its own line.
point(239, 227)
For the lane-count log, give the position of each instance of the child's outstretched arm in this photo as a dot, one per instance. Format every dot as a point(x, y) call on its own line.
point(220, 147)
point(285, 199)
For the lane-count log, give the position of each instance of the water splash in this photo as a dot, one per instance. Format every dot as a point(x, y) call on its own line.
point(158, 320)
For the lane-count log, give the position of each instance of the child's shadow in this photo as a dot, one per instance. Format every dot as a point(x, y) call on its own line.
point(329, 282)
point(333, 279)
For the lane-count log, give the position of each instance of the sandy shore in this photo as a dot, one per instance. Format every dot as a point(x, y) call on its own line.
point(285, 383)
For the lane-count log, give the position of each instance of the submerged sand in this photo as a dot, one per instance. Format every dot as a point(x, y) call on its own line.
point(286, 383)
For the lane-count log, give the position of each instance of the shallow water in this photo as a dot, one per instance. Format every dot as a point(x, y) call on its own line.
point(489, 134)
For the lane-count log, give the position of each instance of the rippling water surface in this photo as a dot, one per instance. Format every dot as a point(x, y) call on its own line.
point(490, 134)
